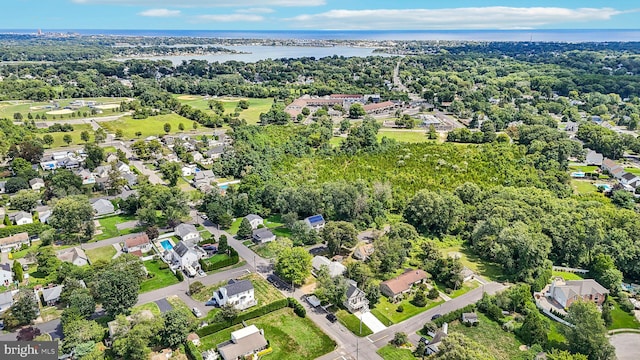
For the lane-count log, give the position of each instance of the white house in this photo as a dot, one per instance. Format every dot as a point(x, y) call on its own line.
point(594, 158)
point(137, 243)
point(356, 299)
point(188, 170)
point(21, 218)
point(629, 179)
point(255, 220)
point(111, 158)
point(315, 222)
point(6, 300)
point(240, 294)
point(87, 177)
point(187, 232)
point(244, 342)
point(36, 184)
point(197, 157)
point(14, 241)
point(186, 258)
point(123, 168)
point(6, 274)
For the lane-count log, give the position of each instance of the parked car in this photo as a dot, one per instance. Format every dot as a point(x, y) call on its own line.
point(196, 312)
point(332, 318)
point(436, 316)
point(211, 302)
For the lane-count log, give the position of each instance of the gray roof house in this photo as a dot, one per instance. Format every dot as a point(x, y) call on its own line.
point(205, 176)
point(187, 232)
point(6, 300)
point(21, 218)
point(36, 184)
point(335, 268)
point(594, 158)
point(263, 235)
point(51, 296)
point(244, 342)
point(74, 255)
point(102, 207)
point(239, 293)
point(44, 216)
point(356, 299)
point(187, 257)
point(255, 220)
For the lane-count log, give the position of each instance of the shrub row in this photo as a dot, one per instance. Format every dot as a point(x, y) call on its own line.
point(192, 351)
point(261, 311)
point(297, 307)
point(32, 229)
point(233, 259)
point(454, 315)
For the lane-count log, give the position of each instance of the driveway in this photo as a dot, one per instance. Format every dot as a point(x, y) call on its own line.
point(371, 321)
point(626, 345)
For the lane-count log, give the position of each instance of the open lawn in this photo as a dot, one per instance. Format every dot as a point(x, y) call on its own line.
point(352, 323)
point(585, 169)
point(75, 136)
point(265, 293)
point(8, 108)
point(503, 345)
point(109, 229)
point(152, 306)
point(622, 319)
point(583, 186)
point(160, 277)
point(35, 245)
point(388, 313)
point(103, 254)
point(472, 261)
point(566, 275)
point(267, 251)
point(235, 226)
point(408, 136)
point(290, 336)
point(391, 352)
point(466, 287)
point(151, 126)
point(252, 114)
point(178, 304)
point(632, 170)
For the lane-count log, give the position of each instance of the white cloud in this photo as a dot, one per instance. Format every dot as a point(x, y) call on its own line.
point(207, 3)
point(495, 17)
point(160, 13)
point(255, 11)
point(229, 18)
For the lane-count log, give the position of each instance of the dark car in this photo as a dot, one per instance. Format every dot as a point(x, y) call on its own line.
point(424, 340)
point(436, 316)
point(332, 318)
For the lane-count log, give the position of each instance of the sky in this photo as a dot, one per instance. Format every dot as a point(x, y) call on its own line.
point(318, 14)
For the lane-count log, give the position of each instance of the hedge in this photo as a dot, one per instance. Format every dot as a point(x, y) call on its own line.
point(32, 229)
point(192, 351)
point(454, 315)
point(261, 311)
point(297, 307)
point(233, 259)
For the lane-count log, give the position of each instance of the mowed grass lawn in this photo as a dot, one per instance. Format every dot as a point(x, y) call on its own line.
point(8, 108)
point(75, 136)
point(408, 136)
point(388, 312)
point(503, 345)
point(583, 186)
point(622, 319)
point(103, 254)
point(566, 275)
point(473, 262)
point(161, 278)
point(352, 323)
point(291, 337)
point(151, 126)
point(391, 352)
point(252, 114)
point(109, 229)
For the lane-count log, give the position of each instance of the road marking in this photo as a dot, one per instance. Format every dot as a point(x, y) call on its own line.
point(375, 341)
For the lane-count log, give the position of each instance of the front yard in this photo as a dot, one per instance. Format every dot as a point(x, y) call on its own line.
point(160, 277)
point(622, 319)
point(109, 229)
point(290, 337)
point(352, 323)
point(388, 312)
point(391, 352)
point(103, 254)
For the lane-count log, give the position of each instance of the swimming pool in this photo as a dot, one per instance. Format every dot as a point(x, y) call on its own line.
point(166, 244)
point(606, 187)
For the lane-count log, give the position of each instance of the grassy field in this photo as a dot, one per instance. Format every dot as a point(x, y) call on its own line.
point(104, 254)
point(391, 352)
point(161, 277)
point(466, 287)
point(632, 170)
point(387, 312)
point(75, 136)
point(352, 323)
point(267, 251)
point(109, 229)
point(35, 245)
point(8, 108)
point(265, 293)
point(623, 319)
point(503, 345)
point(566, 275)
point(585, 169)
point(252, 114)
point(151, 126)
point(152, 306)
point(290, 336)
point(408, 136)
point(472, 261)
point(583, 186)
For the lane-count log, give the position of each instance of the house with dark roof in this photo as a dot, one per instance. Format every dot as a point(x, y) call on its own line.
point(263, 235)
point(629, 179)
point(395, 288)
point(187, 232)
point(139, 242)
point(434, 345)
point(244, 342)
point(239, 293)
point(356, 299)
point(51, 296)
point(215, 152)
point(6, 274)
point(566, 292)
point(315, 222)
point(186, 257)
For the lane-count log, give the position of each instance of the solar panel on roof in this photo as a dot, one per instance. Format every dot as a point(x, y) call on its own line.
point(316, 218)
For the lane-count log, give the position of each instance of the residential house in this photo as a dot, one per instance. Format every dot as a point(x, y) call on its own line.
point(188, 233)
point(197, 157)
point(611, 167)
point(566, 292)
point(204, 176)
point(470, 318)
point(629, 179)
point(36, 184)
point(315, 222)
point(139, 242)
point(6, 300)
point(87, 177)
point(122, 167)
point(111, 158)
point(6, 274)
point(102, 207)
point(215, 152)
point(131, 179)
point(3, 185)
point(263, 235)
point(21, 218)
point(74, 255)
point(186, 257)
point(571, 126)
point(102, 171)
point(434, 345)
point(194, 339)
point(14, 242)
point(244, 342)
point(44, 215)
point(51, 296)
point(188, 170)
point(395, 288)
point(49, 164)
point(363, 251)
point(356, 299)
point(335, 268)
point(255, 220)
point(240, 294)
point(594, 158)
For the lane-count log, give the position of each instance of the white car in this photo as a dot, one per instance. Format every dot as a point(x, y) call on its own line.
point(196, 312)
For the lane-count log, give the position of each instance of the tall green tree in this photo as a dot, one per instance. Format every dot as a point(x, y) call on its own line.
point(24, 309)
point(18, 272)
point(356, 110)
point(434, 213)
point(176, 328)
point(245, 230)
point(95, 155)
point(117, 291)
point(588, 336)
point(73, 217)
point(339, 235)
point(171, 172)
point(293, 265)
